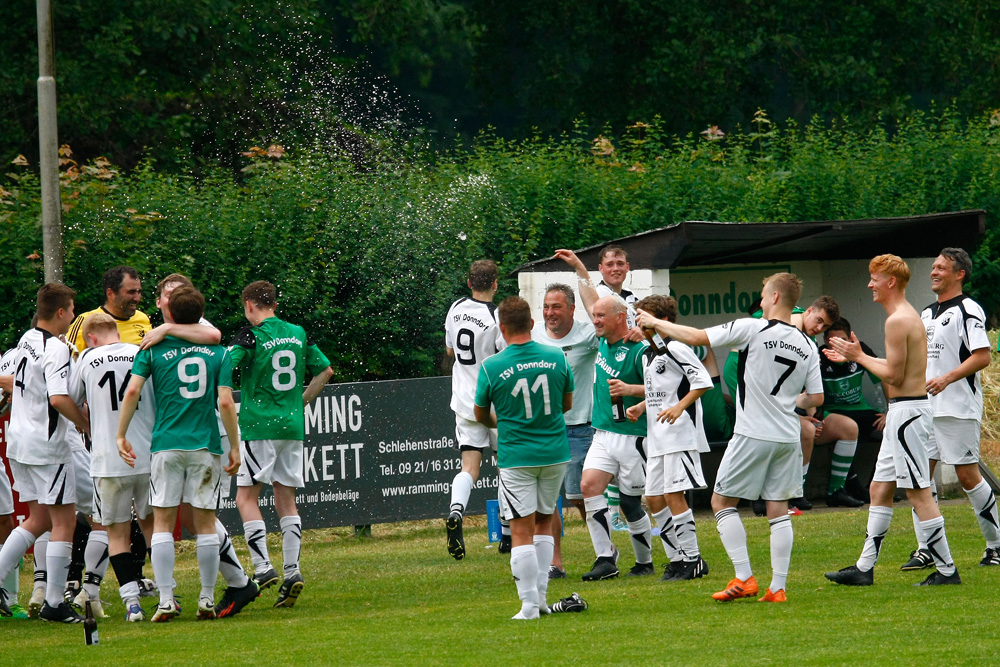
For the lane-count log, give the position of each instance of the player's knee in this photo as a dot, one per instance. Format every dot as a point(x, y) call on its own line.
point(631, 507)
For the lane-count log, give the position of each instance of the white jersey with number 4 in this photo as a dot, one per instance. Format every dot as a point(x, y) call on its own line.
point(776, 363)
point(472, 331)
point(955, 329)
point(101, 376)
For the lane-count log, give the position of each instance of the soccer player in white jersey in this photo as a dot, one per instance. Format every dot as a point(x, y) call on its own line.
point(471, 334)
point(675, 381)
point(764, 457)
point(43, 417)
point(8, 608)
point(902, 459)
point(101, 374)
point(957, 349)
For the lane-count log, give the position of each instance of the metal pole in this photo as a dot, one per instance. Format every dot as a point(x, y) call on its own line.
point(48, 145)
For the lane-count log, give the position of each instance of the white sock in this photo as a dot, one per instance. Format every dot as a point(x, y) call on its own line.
point(937, 544)
point(545, 546)
point(668, 536)
point(599, 525)
point(984, 504)
point(208, 563)
point(805, 470)
point(14, 548)
point(57, 561)
point(229, 563)
point(524, 567)
point(256, 536)
point(917, 530)
point(129, 593)
point(41, 564)
point(461, 489)
point(878, 525)
point(291, 542)
point(687, 535)
point(161, 548)
point(639, 531)
point(96, 559)
point(781, 551)
point(734, 539)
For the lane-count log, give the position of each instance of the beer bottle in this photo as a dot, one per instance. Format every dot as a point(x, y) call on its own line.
point(655, 341)
point(617, 409)
point(90, 626)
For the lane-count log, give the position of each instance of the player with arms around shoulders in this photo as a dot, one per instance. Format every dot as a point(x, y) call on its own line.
point(675, 381)
point(186, 463)
point(100, 377)
point(902, 459)
point(273, 356)
point(471, 335)
point(764, 456)
point(530, 386)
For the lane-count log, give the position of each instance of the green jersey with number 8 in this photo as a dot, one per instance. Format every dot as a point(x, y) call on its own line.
point(185, 380)
point(273, 357)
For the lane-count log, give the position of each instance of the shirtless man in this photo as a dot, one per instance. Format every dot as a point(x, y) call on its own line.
point(902, 459)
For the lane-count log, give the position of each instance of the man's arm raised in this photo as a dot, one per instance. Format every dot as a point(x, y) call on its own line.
point(588, 293)
point(687, 335)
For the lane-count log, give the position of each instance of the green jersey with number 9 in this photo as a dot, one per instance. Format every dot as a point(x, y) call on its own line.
point(185, 379)
point(273, 357)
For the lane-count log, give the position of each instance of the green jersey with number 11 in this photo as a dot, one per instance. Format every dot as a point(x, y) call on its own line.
point(272, 358)
point(186, 377)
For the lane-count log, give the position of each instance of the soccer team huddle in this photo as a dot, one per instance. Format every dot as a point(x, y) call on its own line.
point(117, 429)
point(625, 398)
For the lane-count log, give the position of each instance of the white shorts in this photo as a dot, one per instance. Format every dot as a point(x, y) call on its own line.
point(270, 461)
point(674, 472)
point(524, 491)
point(754, 469)
point(473, 435)
point(954, 441)
point(49, 484)
point(624, 456)
point(6, 496)
point(181, 476)
point(225, 486)
point(114, 498)
point(84, 483)
point(902, 458)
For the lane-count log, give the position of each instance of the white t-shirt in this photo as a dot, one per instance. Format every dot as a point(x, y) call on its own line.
point(630, 300)
point(38, 434)
point(100, 377)
point(7, 366)
point(955, 329)
point(777, 362)
point(580, 347)
point(668, 378)
point(472, 331)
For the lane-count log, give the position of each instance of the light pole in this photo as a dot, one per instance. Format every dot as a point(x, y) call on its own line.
point(48, 145)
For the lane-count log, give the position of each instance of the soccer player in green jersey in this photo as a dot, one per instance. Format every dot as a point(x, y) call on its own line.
point(186, 461)
point(530, 386)
point(273, 356)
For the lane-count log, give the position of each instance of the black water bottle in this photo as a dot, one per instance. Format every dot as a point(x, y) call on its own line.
point(90, 626)
point(617, 409)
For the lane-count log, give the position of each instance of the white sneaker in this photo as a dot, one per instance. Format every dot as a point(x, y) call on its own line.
point(165, 611)
point(36, 602)
point(134, 614)
point(96, 606)
point(206, 609)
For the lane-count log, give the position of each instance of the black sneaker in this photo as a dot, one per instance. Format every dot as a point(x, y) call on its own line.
point(556, 572)
point(266, 579)
point(920, 559)
point(4, 609)
point(670, 571)
point(856, 489)
point(234, 599)
point(573, 603)
point(852, 576)
point(691, 569)
point(505, 546)
point(759, 507)
point(641, 570)
point(938, 579)
point(60, 614)
point(604, 568)
point(840, 498)
point(991, 557)
point(290, 589)
point(456, 543)
point(800, 503)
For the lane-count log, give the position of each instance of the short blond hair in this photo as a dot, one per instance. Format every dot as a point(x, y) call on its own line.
point(97, 324)
point(892, 266)
point(787, 285)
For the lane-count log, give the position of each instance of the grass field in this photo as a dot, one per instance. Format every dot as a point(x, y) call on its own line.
point(398, 598)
